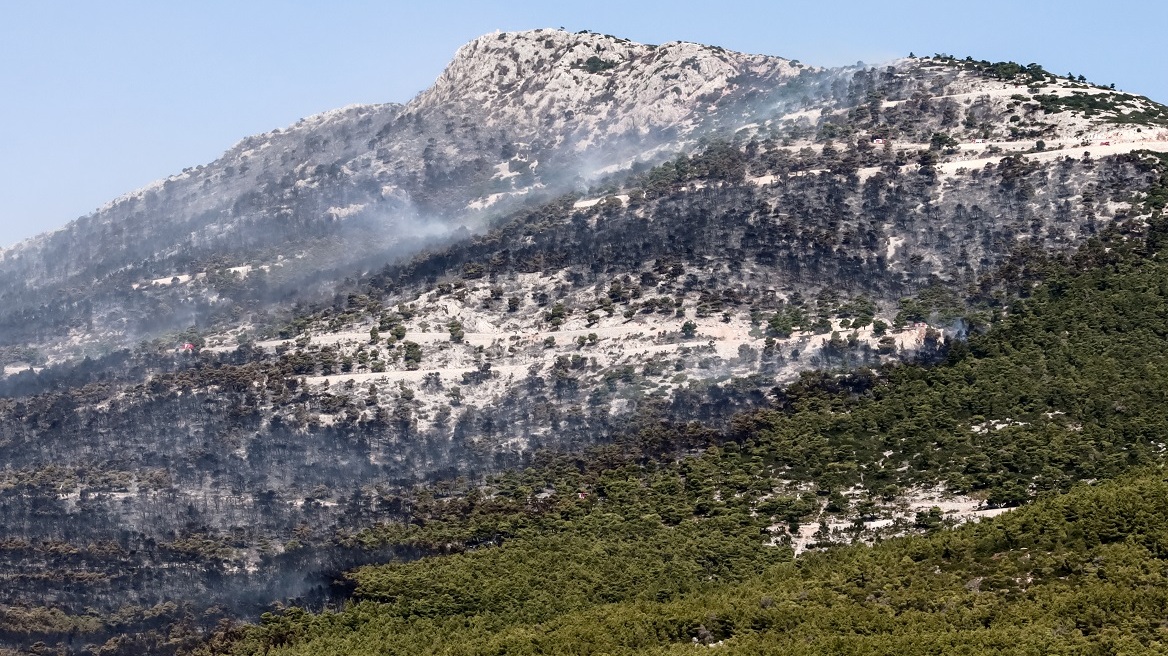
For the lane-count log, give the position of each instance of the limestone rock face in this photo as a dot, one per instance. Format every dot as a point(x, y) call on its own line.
point(584, 88)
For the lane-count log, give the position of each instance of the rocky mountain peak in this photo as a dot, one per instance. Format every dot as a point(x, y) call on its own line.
point(572, 84)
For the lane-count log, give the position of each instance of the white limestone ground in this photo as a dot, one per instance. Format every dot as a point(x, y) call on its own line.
point(893, 519)
point(515, 345)
point(18, 367)
point(592, 202)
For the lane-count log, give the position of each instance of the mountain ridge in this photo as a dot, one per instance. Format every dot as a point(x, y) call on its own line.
point(366, 181)
point(295, 210)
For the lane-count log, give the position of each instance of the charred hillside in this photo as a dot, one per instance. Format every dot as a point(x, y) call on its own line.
point(780, 224)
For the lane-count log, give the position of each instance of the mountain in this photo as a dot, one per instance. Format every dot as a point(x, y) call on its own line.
point(512, 115)
point(516, 119)
point(578, 277)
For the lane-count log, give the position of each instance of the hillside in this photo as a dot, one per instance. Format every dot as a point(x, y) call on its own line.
point(581, 296)
point(517, 119)
point(1026, 410)
point(1080, 573)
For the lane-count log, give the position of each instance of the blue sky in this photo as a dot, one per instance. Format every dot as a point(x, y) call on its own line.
point(100, 98)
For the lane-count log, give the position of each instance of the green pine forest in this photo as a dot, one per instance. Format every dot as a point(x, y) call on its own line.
point(666, 539)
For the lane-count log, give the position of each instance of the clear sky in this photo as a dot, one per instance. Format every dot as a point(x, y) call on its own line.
point(99, 98)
